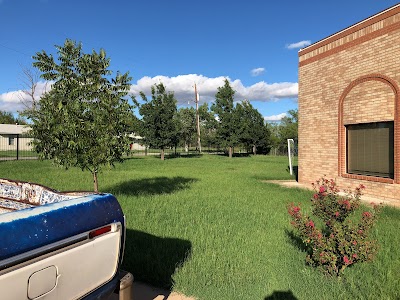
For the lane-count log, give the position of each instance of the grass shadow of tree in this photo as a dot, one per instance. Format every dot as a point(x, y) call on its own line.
point(281, 295)
point(154, 259)
point(152, 186)
point(237, 155)
point(181, 155)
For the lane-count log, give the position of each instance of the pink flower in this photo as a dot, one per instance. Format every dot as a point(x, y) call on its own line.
point(347, 203)
point(310, 224)
point(337, 214)
point(315, 196)
point(355, 256)
point(367, 214)
point(354, 243)
point(346, 260)
point(322, 189)
point(360, 231)
point(293, 210)
point(362, 186)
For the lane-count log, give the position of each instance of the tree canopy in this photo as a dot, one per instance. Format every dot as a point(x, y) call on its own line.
point(286, 129)
point(84, 119)
point(289, 125)
point(187, 125)
point(227, 128)
point(159, 124)
point(8, 118)
point(252, 130)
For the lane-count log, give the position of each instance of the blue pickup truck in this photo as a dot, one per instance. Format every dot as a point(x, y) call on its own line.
point(58, 245)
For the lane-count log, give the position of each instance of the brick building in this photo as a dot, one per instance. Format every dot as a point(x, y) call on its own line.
point(349, 107)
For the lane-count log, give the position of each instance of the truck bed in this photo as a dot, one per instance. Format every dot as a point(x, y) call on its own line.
point(17, 195)
point(71, 240)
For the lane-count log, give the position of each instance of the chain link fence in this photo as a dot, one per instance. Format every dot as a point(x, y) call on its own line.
point(16, 147)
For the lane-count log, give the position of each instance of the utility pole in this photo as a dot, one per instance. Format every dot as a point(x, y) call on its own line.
point(197, 98)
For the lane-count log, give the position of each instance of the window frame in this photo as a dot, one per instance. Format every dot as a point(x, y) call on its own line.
point(368, 173)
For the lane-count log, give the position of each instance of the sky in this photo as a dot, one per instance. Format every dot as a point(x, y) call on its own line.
point(253, 43)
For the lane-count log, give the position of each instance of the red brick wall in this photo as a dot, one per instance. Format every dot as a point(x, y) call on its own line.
point(350, 77)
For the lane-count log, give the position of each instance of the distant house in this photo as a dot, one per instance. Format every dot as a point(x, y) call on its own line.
point(12, 135)
point(349, 107)
point(137, 143)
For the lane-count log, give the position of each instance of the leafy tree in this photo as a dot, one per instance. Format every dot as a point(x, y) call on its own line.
point(187, 125)
point(289, 126)
point(8, 118)
point(286, 129)
point(84, 119)
point(274, 137)
point(227, 129)
point(158, 118)
point(252, 131)
point(208, 125)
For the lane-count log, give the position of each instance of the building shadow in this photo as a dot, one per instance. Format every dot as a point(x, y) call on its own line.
point(153, 259)
point(295, 172)
point(152, 186)
point(281, 295)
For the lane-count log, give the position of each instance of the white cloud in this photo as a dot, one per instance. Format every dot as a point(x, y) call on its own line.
point(13, 101)
point(301, 44)
point(257, 72)
point(275, 118)
point(183, 88)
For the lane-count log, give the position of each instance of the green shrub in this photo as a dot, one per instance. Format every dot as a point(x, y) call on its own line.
point(341, 241)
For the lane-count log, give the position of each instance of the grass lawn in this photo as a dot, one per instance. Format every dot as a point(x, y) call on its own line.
point(211, 228)
point(13, 153)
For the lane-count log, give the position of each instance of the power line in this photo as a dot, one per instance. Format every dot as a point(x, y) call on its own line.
point(15, 50)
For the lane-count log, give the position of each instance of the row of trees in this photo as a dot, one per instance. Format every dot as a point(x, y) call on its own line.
point(9, 118)
point(280, 132)
point(227, 125)
point(85, 119)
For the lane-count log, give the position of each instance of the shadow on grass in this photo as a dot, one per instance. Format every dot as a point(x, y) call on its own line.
point(133, 157)
point(295, 172)
point(152, 186)
point(235, 154)
point(154, 259)
point(183, 155)
point(296, 240)
point(281, 295)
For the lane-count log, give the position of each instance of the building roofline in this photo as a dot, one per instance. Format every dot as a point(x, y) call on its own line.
point(395, 9)
point(13, 129)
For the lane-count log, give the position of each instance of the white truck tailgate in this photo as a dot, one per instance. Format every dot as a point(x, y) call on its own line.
point(69, 274)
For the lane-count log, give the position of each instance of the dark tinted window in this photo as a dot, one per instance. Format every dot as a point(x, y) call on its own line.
point(370, 149)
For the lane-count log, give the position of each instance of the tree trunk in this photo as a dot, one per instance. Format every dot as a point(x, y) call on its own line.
point(230, 151)
point(95, 182)
point(186, 147)
point(254, 149)
point(162, 154)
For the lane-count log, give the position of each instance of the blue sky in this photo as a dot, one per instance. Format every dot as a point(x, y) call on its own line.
point(253, 43)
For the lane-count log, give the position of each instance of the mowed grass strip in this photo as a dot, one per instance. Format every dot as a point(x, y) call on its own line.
point(208, 226)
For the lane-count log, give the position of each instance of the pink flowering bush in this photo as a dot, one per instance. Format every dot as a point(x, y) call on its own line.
point(340, 242)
